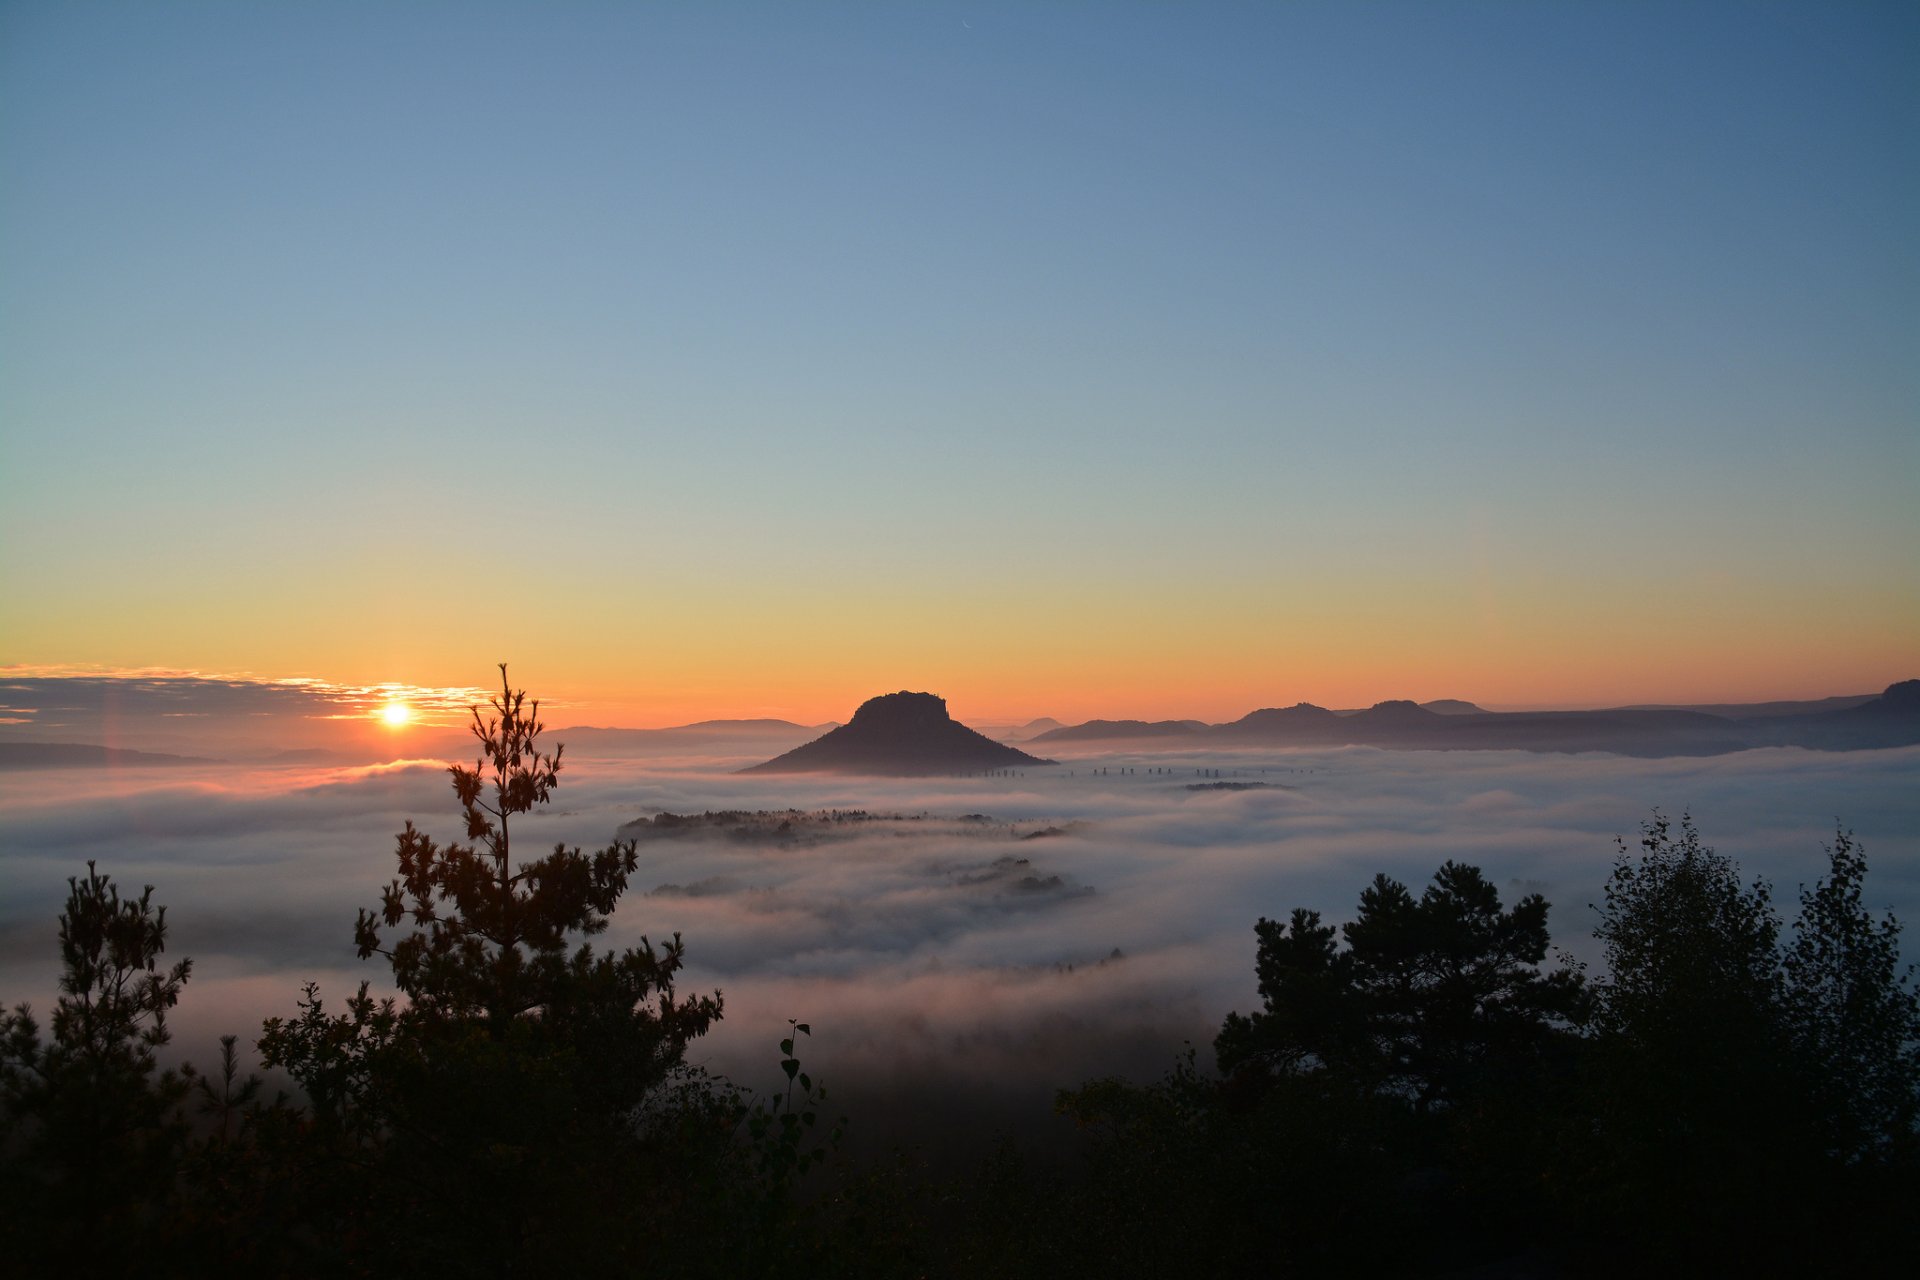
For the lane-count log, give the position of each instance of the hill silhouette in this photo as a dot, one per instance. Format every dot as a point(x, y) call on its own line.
point(75, 755)
point(1303, 720)
point(1099, 729)
point(1892, 719)
point(1452, 707)
point(900, 734)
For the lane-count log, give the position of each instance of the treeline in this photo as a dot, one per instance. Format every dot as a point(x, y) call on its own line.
point(1418, 1095)
point(1420, 1092)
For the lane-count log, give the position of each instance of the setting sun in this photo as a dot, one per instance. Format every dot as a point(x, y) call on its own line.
point(396, 714)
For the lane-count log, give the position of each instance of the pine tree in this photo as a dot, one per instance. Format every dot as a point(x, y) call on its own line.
point(90, 1126)
point(500, 1108)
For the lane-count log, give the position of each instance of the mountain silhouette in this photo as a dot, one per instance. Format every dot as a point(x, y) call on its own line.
point(1852, 723)
point(1101, 729)
point(1302, 719)
point(71, 755)
point(1398, 713)
point(1027, 732)
point(1902, 699)
point(900, 734)
point(1452, 707)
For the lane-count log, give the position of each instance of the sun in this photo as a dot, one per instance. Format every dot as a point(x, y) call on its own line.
point(396, 714)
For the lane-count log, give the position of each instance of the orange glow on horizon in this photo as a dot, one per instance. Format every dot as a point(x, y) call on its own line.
point(1018, 649)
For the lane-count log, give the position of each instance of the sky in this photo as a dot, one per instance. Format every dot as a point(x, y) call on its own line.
point(1070, 360)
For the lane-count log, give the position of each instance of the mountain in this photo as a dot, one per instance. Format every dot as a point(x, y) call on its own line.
point(1890, 720)
point(1021, 732)
point(1451, 707)
point(1096, 730)
point(1396, 713)
point(900, 734)
point(1901, 699)
point(909, 733)
point(1302, 720)
point(1403, 725)
point(1758, 710)
point(75, 755)
point(1627, 733)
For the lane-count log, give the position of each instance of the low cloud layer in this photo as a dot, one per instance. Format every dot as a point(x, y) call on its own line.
point(929, 953)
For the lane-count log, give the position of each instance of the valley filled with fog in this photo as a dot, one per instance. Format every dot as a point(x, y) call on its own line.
point(982, 940)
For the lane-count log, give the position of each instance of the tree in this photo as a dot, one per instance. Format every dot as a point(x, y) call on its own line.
point(491, 939)
point(1702, 1119)
point(1431, 1001)
point(1423, 1063)
point(90, 1119)
point(501, 1108)
point(1692, 966)
point(1400, 1060)
point(1855, 1015)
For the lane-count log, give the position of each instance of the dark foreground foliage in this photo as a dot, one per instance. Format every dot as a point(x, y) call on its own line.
point(1418, 1093)
point(1424, 1100)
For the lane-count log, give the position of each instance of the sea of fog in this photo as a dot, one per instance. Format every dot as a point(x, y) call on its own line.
point(939, 972)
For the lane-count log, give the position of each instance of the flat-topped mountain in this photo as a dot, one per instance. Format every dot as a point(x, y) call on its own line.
point(900, 734)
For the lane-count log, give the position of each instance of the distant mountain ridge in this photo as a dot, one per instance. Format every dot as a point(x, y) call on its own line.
point(1122, 728)
point(901, 735)
point(78, 755)
point(1452, 707)
point(1020, 732)
point(1890, 719)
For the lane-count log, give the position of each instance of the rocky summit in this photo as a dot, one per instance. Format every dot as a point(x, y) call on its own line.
point(902, 734)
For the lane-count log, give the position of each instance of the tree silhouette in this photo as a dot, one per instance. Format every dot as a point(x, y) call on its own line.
point(500, 1109)
point(491, 939)
point(89, 1118)
point(1703, 1118)
point(1855, 1015)
point(1431, 1000)
point(1687, 945)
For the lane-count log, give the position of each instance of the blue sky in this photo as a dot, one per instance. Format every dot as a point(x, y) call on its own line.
point(961, 313)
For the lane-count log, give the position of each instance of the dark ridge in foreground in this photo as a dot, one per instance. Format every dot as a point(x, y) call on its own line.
point(899, 735)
